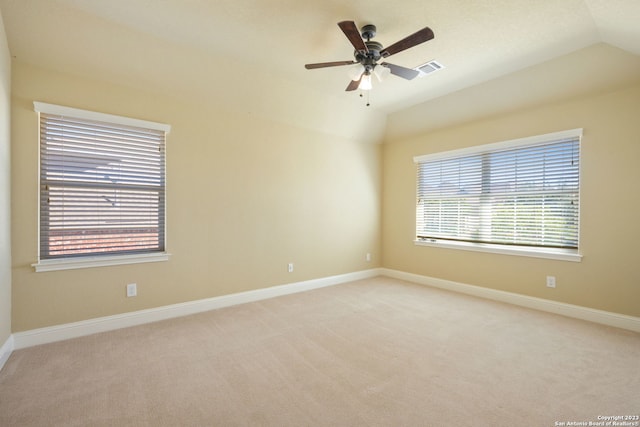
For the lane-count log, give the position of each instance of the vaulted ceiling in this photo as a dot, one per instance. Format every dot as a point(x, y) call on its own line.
point(253, 51)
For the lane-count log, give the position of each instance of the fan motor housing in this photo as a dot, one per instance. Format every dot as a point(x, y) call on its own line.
point(370, 57)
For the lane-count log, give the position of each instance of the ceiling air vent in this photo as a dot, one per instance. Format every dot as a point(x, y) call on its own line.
point(429, 67)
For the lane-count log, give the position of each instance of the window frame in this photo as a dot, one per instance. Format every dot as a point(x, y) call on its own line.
point(98, 260)
point(563, 254)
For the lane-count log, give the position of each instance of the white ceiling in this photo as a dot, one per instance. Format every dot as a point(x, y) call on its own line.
point(244, 51)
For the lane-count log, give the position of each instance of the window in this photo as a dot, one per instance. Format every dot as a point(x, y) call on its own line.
point(514, 197)
point(102, 189)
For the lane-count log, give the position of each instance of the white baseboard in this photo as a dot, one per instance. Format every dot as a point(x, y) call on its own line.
point(109, 323)
point(584, 313)
point(33, 337)
point(6, 350)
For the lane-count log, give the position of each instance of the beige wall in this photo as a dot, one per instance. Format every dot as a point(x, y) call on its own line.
point(5, 196)
point(608, 277)
point(246, 196)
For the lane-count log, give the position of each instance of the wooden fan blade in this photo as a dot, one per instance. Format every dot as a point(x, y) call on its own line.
point(405, 73)
point(353, 34)
point(354, 84)
point(414, 39)
point(328, 64)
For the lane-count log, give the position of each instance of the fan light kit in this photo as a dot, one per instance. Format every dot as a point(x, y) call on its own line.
point(368, 53)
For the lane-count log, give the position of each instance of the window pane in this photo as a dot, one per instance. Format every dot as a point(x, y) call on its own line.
point(527, 195)
point(102, 188)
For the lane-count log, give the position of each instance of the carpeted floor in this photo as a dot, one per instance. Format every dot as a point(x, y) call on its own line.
point(377, 352)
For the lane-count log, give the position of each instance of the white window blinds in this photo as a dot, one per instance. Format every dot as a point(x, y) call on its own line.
point(102, 184)
point(525, 195)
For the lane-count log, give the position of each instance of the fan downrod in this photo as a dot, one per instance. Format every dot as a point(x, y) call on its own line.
point(369, 59)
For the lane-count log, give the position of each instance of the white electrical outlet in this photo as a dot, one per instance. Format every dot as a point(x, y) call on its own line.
point(132, 290)
point(290, 267)
point(551, 281)
point(368, 257)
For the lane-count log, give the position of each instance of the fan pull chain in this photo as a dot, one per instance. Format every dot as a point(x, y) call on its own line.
point(362, 96)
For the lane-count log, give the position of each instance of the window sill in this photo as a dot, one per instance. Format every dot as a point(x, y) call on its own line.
point(557, 254)
point(97, 261)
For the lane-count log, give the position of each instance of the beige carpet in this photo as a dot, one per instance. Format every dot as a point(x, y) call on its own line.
point(377, 352)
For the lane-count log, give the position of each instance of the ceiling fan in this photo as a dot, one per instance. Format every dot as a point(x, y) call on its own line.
point(368, 53)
